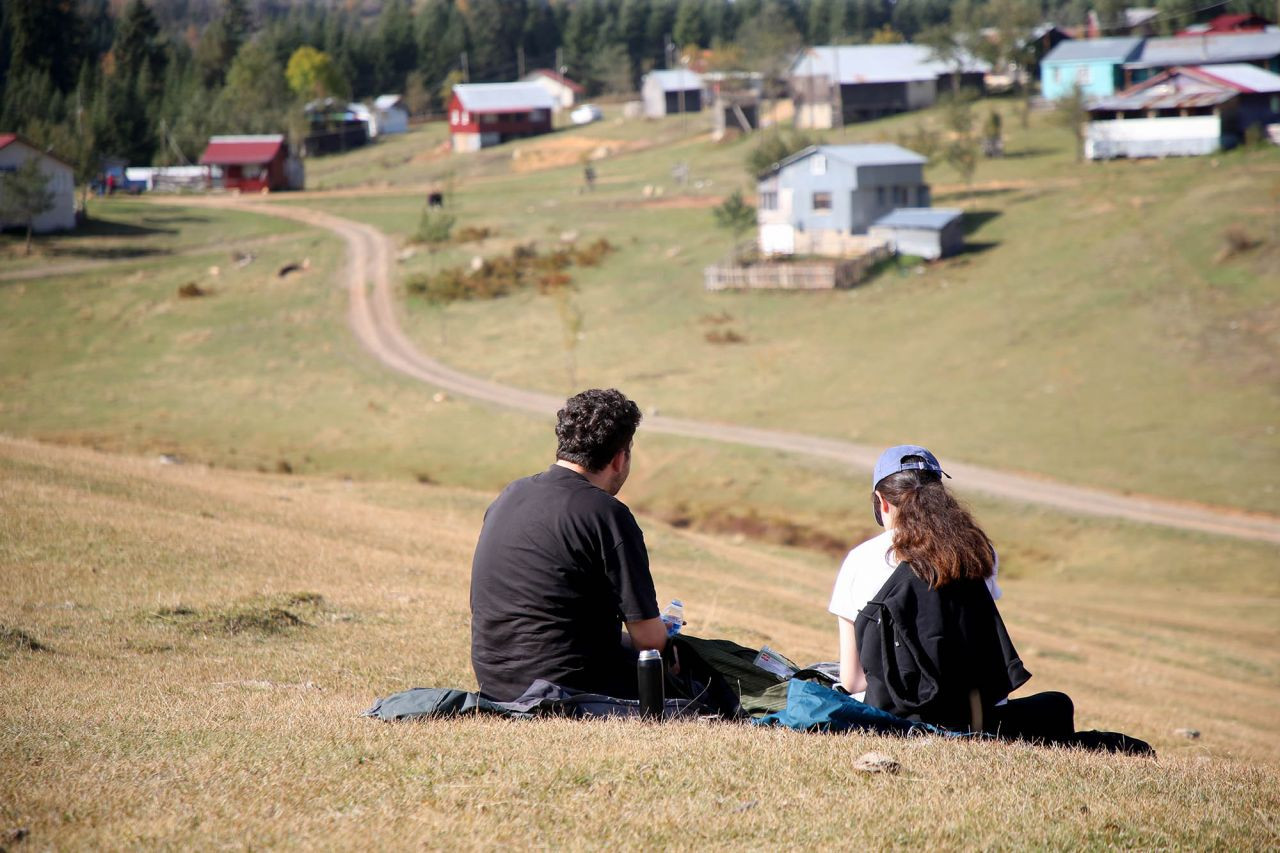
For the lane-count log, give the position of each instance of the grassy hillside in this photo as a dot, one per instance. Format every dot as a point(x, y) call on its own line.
point(171, 699)
point(1099, 329)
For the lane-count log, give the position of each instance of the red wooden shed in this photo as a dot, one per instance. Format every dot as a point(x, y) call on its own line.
point(484, 114)
point(252, 163)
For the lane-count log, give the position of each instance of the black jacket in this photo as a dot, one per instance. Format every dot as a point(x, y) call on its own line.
point(925, 649)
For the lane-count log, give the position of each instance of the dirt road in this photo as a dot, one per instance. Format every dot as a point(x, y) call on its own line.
point(373, 319)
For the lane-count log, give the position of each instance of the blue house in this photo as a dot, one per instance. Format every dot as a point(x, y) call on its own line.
point(816, 200)
point(1095, 65)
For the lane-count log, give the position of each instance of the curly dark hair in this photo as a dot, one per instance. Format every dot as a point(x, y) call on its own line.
point(594, 425)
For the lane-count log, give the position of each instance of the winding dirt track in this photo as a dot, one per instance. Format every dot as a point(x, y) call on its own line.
point(372, 314)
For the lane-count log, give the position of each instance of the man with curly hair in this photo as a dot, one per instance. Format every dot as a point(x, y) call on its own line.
point(561, 566)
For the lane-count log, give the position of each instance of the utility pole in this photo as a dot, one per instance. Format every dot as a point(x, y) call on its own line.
point(466, 69)
point(560, 69)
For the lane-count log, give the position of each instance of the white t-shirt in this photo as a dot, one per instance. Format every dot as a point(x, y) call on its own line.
point(865, 570)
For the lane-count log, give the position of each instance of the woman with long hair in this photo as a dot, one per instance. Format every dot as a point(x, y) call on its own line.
point(919, 631)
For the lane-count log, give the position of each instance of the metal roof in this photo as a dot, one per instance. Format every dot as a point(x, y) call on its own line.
point(386, 102)
point(1114, 49)
point(876, 63)
point(928, 218)
point(1208, 49)
point(1244, 77)
point(241, 150)
point(884, 154)
point(1190, 87)
point(676, 79)
point(503, 97)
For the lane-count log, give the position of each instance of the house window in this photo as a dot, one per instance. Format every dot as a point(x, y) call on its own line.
point(1083, 76)
point(899, 196)
point(818, 164)
point(880, 196)
point(821, 202)
point(466, 118)
point(768, 201)
point(1057, 74)
point(922, 197)
point(453, 117)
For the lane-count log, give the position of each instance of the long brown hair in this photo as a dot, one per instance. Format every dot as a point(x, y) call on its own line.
point(933, 532)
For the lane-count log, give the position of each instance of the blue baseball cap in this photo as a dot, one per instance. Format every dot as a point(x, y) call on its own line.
point(891, 462)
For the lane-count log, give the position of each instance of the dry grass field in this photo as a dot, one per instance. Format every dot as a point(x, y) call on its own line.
point(186, 652)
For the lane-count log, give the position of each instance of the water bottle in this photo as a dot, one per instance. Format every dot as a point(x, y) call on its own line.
point(652, 692)
point(673, 617)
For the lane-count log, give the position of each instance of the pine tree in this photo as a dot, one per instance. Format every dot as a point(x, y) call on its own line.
point(25, 194)
point(44, 36)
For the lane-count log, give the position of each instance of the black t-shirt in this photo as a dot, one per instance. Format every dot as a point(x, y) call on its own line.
point(559, 567)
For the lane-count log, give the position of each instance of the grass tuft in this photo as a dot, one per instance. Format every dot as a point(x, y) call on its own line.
point(264, 617)
point(16, 640)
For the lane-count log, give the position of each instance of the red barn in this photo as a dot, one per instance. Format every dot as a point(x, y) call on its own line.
point(484, 114)
point(252, 163)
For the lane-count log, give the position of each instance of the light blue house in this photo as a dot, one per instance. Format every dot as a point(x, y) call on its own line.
point(1095, 65)
point(816, 200)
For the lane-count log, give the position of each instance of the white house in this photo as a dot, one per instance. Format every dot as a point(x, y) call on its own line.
point(563, 91)
point(822, 200)
point(15, 151)
point(1183, 112)
point(391, 114)
point(667, 92)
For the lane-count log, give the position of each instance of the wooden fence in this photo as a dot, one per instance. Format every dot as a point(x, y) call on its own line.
point(793, 275)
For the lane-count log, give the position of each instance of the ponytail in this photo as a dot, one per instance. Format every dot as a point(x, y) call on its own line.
point(933, 532)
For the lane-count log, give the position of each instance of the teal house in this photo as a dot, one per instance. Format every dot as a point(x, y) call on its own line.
point(1095, 65)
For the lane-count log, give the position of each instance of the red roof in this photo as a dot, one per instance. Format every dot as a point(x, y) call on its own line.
point(7, 139)
point(241, 150)
point(559, 78)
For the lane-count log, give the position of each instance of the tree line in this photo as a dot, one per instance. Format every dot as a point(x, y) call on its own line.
point(151, 82)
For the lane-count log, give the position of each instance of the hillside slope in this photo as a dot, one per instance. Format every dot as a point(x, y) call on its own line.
point(186, 649)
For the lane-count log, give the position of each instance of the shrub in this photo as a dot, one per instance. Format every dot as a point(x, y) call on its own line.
point(774, 147)
point(434, 227)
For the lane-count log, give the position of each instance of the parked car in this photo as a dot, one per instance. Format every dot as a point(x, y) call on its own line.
point(586, 114)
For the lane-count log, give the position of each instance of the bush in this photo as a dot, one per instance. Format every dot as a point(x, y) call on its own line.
point(774, 147)
point(434, 227)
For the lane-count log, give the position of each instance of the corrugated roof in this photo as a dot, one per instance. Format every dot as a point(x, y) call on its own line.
point(1194, 86)
point(931, 218)
point(503, 97)
point(676, 79)
point(386, 102)
point(882, 154)
point(241, 150)
point(876, 63)
point(1114, 49)
point(1208, 49)
point(1245, 77)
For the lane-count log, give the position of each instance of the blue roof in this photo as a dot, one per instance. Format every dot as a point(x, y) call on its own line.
point(1118, 49)
point(928, 218)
